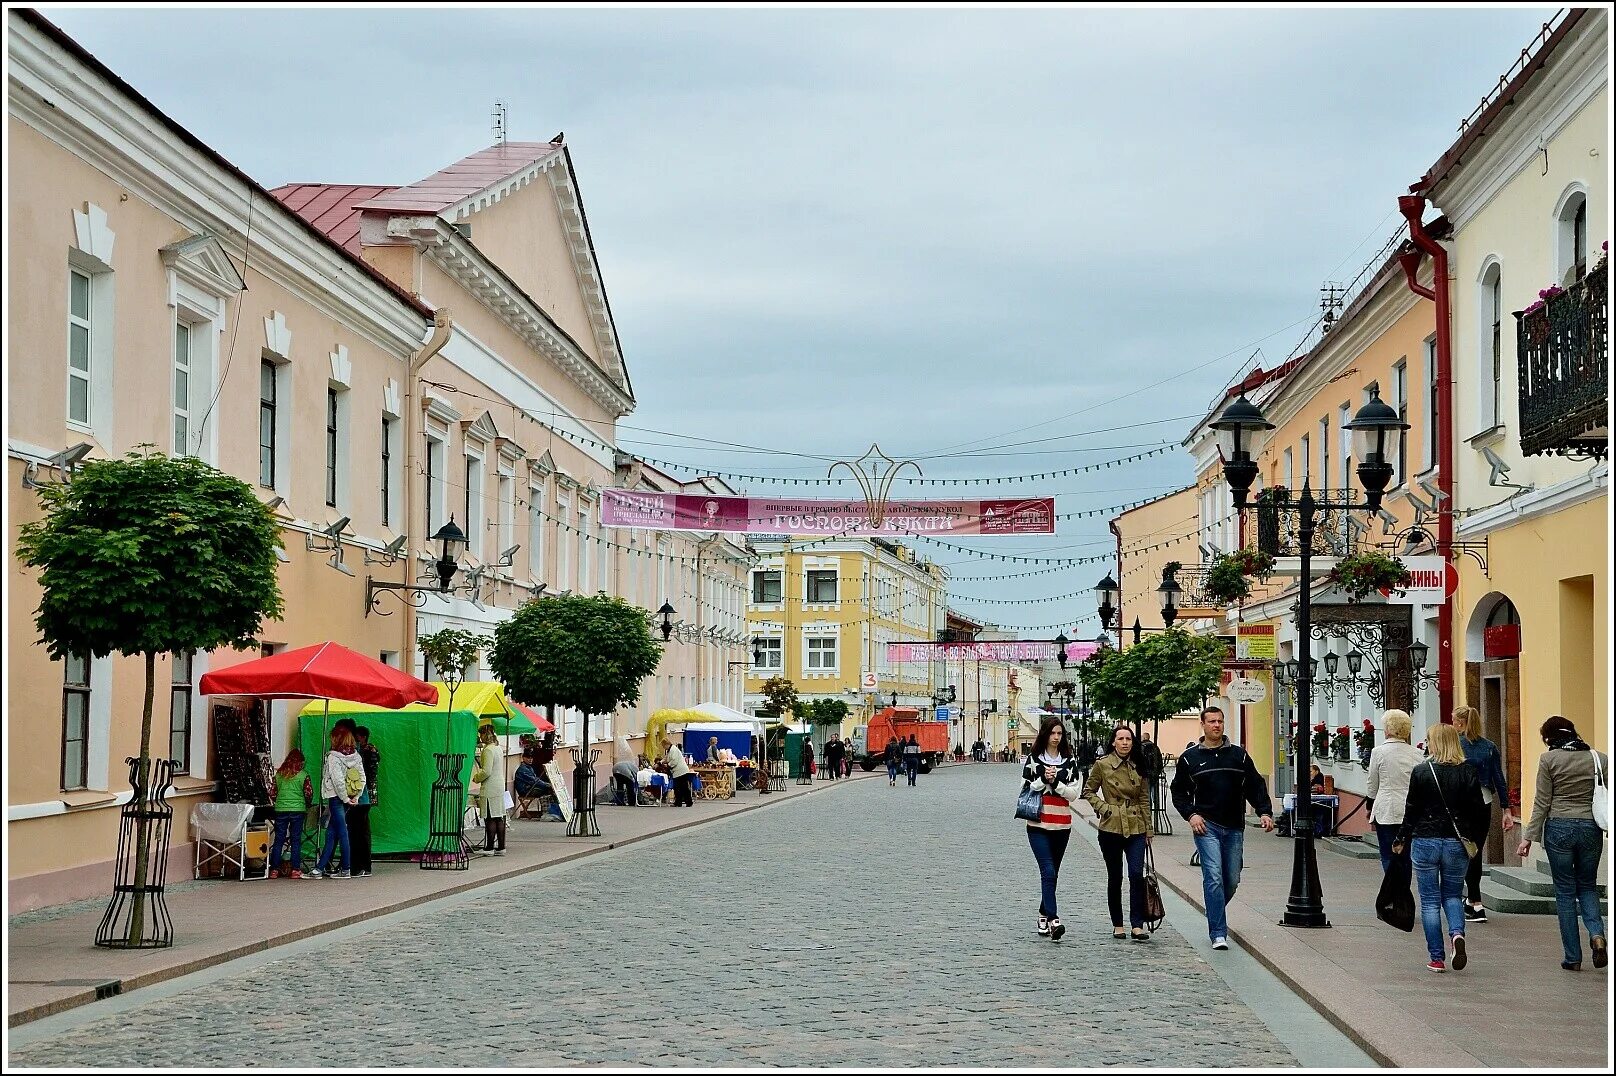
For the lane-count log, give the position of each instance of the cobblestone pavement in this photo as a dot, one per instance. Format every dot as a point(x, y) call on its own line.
point(701, 948)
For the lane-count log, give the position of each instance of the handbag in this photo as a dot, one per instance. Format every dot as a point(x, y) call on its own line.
point(1394, 904)
point(1601, 795)
point(1470, 846)
point(1155, 911)
point(1030, 804)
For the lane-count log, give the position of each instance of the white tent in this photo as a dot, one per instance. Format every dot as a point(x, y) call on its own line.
point(724, 715)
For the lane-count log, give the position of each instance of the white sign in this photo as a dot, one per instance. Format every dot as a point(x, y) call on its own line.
point(1434, 581)
point(869, 681)
point(1245, 690)
point(563, 794)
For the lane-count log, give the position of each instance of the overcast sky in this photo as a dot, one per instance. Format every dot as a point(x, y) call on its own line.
point(927, 228)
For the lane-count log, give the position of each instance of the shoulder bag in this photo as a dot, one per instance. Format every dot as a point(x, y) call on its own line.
point(1155, 911)
point(1601, 804)
point(1030, 804)
point(1470, 846)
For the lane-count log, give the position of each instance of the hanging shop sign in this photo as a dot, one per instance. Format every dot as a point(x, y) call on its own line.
point(778, 515)
point(1006, 650)
point(1432, 581)
point(1256, 642)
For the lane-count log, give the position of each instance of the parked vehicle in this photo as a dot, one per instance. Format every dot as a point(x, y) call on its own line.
point(870, 741)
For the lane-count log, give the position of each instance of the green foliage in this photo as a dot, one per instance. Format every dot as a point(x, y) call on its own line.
point(1225, 583)
point(152, 555)
point(450, 651)
point(782, 696)
point(827, 711)
point(1362, 574)
point(1089, 669)
point(1163, 675)
point(588, 653)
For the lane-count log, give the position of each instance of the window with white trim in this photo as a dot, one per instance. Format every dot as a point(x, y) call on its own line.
point(333, 433)
point(268, 406)
point(1290, 476)
point(389, 456)
point(1571, 230)
point(80, 342)
point(1324, 452)
point(821, 653)
point(180, 703)
point(1344, 415)
point(564, 540)
point(76, 721)
point(506, 494)
point(437, 484)
point(535, 530)
point(182, 388)
point(1400, 401)
point(586, 546)
point(1307, 459)
point(473, 503)
point(1428, 430)
point(1490, 360)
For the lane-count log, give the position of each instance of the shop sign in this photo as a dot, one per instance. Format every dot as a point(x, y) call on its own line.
point(1435, 581)
point(1256, 642)
point(1247, 691)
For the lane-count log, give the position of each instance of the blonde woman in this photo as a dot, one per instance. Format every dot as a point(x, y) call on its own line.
point(1444, 810)
point(1484, 755)
point(490, 778)
point(1390, 764)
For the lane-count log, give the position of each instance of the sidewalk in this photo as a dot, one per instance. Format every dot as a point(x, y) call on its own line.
point(1513, 1006)
point(54, 965)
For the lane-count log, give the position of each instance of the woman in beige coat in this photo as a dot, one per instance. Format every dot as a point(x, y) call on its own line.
point(1119, 792)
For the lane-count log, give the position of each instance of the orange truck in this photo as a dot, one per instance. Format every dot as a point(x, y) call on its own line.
point(870, 741)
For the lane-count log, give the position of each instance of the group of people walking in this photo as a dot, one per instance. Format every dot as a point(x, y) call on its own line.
point(901, 754)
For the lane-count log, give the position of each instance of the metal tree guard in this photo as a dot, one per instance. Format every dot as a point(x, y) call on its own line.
point(446, 845)
point(583, 822)
point(137, 917)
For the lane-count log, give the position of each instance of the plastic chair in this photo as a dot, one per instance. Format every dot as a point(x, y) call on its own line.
point(220, 831)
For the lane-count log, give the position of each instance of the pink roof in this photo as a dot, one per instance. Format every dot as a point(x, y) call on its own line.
point(332, 208)
point(461, 180)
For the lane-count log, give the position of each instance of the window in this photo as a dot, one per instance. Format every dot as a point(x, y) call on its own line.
point(1307, 459)
point(76, 721)
point(1571, 236)
point(1428, 430)
point(267, 386)
point(507, 513)
point(182, 389)
point(1400, 401)
point(821, 585)
point(179, 710)
point(474, 505)
point(331, 430)
point(822, 654)
point(390, 659)
point(1324, 453)
point(773, 653)
point(1491, 359)
point(585, 546)
point(563, 540)
point(1290, 477)
point(535, 532)
point(766, 587)
point(387, 471)
point(1344, 416)
point(435, 489)
point(79, 331)
point(1579, 240)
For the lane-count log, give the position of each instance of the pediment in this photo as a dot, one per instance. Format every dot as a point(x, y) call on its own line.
point(482, 428)
point(201, 262)
point(544, 465)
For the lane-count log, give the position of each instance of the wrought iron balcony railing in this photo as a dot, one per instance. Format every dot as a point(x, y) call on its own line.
point(1335, 534)
point(1562, 345)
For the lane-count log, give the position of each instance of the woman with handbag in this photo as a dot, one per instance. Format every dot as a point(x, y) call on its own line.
point(1119, 792)
point(1442, 817)
point(1048, 787)
point(1570, 815)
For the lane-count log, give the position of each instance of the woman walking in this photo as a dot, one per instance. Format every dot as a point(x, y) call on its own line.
point(342, 780)
point(1390, 764)
point(892, 756)
point(1444, 810)
point(1119, 792)
point(1051, 770)
point(490, 778)
point(1484, 755)
point(1563, 819)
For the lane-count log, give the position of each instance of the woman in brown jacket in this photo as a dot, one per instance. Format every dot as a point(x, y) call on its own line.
point(1119, 792)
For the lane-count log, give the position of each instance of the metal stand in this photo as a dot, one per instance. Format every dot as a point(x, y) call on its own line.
point(446, 845)
point(583, 822)
point(777, 775)
point(803, 776)
point(1161, 819)
point(137, 917)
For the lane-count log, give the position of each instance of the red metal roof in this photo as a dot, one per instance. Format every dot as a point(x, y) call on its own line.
point(330, 207)
point(472, 175)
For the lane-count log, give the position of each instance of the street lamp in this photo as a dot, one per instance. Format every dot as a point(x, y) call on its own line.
point(666, 613)
point(1376, 429)
point(1060, 648)
point(1107, 593)
point(1168, 594)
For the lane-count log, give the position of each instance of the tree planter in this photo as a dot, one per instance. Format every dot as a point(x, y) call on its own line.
point(137, 917)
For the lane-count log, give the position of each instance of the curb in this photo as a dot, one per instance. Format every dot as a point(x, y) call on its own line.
point(1403, 1042)
point(116, 987)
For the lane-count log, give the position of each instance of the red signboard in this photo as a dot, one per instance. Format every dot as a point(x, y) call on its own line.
point(1503, 641)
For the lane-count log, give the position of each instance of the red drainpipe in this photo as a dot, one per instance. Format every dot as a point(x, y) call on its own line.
point(1412, 206)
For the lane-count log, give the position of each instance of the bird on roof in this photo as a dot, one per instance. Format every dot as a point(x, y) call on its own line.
point(559, 135)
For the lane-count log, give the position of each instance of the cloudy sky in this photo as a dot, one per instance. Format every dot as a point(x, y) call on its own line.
point(949, 231)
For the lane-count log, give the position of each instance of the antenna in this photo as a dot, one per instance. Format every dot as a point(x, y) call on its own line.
point(501, 123)
point(1331, 294)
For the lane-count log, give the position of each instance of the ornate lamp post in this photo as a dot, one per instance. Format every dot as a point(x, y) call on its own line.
point(1376, 429)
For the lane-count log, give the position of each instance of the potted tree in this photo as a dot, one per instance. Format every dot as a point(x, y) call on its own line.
point(150, 555)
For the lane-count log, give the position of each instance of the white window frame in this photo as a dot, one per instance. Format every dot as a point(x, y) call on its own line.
point(505, 495)
point(758, 577)
point(474, 476)
point(76, 686)
point(437, 484)
point(102, 325)
point(1324, 452)
point(1489, 346)
point(180, 431)
point(1400, 402)
point(563, 562)
point(182, 692)
point(85, 322)
point(537, 489)
point(1575, 196)
point(1344, 416)
point(1307, 459)
point(807, 586)
point(1290, 469)
point(1428, 432)
point(586, 542)
point(392, 463)
point(830, 644)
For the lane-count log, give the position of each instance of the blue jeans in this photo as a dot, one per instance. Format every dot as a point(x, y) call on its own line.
point(1574, 846)
point(287, 824)
point(1386, 835)
point(336, 834)
point(1221, 848)
point(1439, 871)
point(892, 772)
point(1048, 848)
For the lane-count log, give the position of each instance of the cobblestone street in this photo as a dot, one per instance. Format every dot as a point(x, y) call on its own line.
point(873, 926)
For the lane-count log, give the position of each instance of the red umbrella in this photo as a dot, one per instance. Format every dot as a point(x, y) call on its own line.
point(322, 671)
point(540, 722)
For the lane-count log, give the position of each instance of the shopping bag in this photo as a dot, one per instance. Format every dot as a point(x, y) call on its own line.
point(1155, 910)
point(1394, 904)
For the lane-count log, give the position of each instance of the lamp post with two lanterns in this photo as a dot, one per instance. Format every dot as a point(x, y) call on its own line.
point(1376, 429)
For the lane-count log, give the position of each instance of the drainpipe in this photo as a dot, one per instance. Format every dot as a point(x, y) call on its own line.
point(1412, 206)
point(442, 323)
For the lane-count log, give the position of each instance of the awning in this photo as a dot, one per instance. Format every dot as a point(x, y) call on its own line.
point(540, 722)
point(322, 671)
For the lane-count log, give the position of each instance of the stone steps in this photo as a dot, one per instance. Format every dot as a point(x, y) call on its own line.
point(1523, 891)
point(1535, 883)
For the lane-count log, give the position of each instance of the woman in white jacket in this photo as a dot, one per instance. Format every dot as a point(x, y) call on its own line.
point(1390, 764)
point(342, 780)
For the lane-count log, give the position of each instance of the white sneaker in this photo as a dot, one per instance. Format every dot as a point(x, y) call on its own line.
point(1220, 943)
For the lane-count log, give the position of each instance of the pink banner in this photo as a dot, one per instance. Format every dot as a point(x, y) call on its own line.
point(1010, 650)
point(776, 515)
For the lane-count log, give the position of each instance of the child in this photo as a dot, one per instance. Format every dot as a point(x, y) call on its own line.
point(294, 794)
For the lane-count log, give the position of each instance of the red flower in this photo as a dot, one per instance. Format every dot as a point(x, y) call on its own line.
point(1368, 725)
point(1342, 731)
point(1319, 727)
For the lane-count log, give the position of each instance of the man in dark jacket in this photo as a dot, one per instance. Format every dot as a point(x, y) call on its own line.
point(1212, 784)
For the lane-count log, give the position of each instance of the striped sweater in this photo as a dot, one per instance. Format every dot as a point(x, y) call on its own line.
point(1058, 795)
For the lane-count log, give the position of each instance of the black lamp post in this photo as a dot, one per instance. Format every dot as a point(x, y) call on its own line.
point(451, 540)
point(1106, 594)
point(1376, 429)
point(666, 613)
point(1168, 594)
point(1060, 649)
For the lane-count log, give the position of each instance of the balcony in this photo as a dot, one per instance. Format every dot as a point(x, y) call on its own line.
point(1335, 534)
point(1563, 348)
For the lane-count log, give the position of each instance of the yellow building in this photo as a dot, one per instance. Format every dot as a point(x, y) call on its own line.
point(825, 612)
point(1526, 190)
